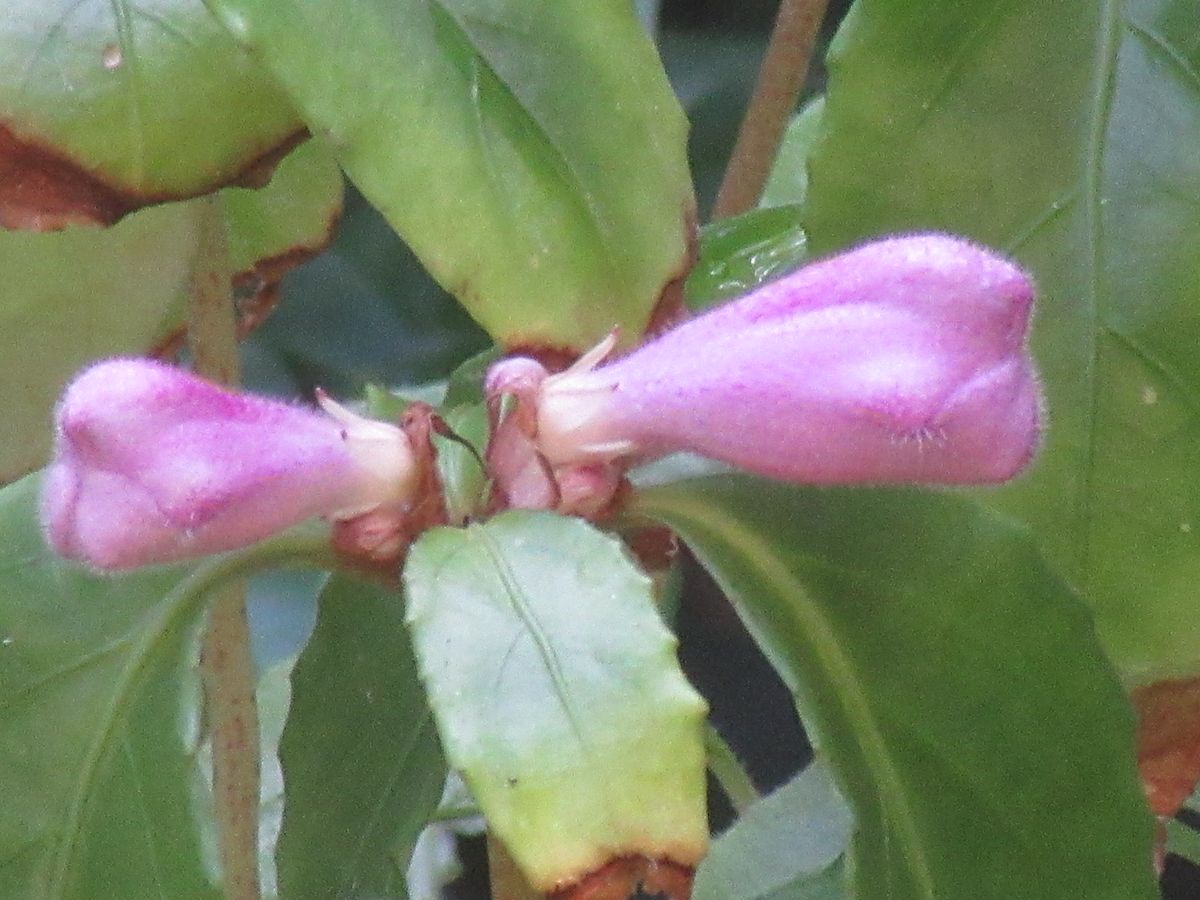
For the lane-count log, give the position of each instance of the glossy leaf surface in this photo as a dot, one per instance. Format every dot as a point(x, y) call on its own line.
point(739, 254)
point(81, 294)
point(786, 847)
point(532, 154)
point(951, 679)
point(105, 107)
point(99, 728)
point(557, 693)
point(361, 763)
point(1064, 134)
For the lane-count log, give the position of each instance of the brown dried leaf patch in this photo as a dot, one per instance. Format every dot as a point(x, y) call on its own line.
point(44, 189)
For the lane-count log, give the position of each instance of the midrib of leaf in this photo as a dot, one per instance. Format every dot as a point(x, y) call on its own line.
point(377, 810)
point(521, 606)
point(167, 615)
point(146, 824)
point(840, 671)
point(1103, 89)
point(573, 182)
point(131, 72)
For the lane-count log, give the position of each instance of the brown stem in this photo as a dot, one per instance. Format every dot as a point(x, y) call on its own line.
point(780, 80)
point(226, 667)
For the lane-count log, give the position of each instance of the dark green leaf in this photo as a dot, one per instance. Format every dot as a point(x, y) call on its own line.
point(786, 846)
point(362, 768)
point(106, 106)
point(1063, 133)
point(532, 154)
point(99, 728)
point(953, 681)
point(557, 693)
point(739, 254)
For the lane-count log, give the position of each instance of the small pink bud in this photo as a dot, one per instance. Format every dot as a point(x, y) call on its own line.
point(153, 464)
point(904, 360)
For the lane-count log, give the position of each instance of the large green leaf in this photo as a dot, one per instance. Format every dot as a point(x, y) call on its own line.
point(532, 154)
point(106, 106)
point(786, 847)
point(80, 294)
point(953, 681)
point(1065, 134)
point(99, 726)
point(362, 767)
point(557, 693)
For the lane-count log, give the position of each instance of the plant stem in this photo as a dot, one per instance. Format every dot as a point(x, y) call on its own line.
point(728, 771)
point(226, 667)
point(780, 81)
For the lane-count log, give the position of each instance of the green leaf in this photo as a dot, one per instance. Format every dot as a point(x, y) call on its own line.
point(1183, 841)
point(464, 480)
point(557, 693)
point(1062, 133)
point(952, 680)
point(99, 725)
point(275, 227)
point(362, 768)
point(81, 294)
point(107, 106)
point(789, 177)
point(786, 846)
point(739, 254)
point(532, 154)
point(274, 698)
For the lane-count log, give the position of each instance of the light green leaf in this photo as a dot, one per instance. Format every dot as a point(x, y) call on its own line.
point(1063, 133)
point(81, 294)
point(789, 177)
point(786, 846)
point(951, 679)
point(107, 106)
point(532, 154)
point(557, 693)
point(362, 768)
point(274, 228)
point(99, 726)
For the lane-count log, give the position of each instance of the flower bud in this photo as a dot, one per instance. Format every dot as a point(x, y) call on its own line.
point(904, 360)
point(152, 464)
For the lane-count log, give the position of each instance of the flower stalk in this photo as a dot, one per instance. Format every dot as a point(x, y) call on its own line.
point(226, 665)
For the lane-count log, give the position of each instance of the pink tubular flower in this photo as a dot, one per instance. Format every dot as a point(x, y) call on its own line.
point(153, 464)
point(904, 360)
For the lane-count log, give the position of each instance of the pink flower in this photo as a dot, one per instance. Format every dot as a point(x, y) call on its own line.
point(904, 360)
point(153, 464)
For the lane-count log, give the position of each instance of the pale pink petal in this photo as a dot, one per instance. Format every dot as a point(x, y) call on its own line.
point(153, 464)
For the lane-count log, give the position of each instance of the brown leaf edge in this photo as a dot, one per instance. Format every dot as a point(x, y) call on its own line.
point(44, 189)
point(1168, 742)
point(632, 878)
point(669, 309)
point(257, 289)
